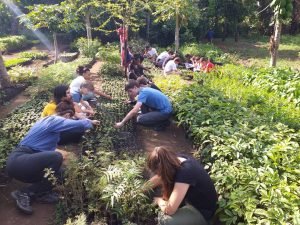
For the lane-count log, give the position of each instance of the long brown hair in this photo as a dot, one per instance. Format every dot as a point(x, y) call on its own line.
point(164, 163)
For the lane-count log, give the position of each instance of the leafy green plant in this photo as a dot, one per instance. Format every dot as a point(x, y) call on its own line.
point(60, 73)
point(109, 53)
point(88, 50)
point(34, 55)
point(109, 69)
point(253, 160)
point(16, 61)
point(13, 43)
point(19, 74)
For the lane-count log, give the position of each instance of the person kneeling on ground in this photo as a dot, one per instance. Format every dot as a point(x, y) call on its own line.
point(171, 66)
point(37, 151)
point(188, 193)
point(61, 93)
point(156, 108)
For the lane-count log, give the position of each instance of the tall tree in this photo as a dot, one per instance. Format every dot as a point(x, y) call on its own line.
point(282, 14)
point(82, 12)
point(179, 10)
point(4, 78)
point(45, 16)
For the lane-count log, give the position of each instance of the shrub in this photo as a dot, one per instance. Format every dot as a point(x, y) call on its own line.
point(60, 73)
point(88, 51)
point(34, 55)
point(19, 74)
point(12, 43)
point(109, 53)
point(108, 69)
point(205, 50)
point(16, 61)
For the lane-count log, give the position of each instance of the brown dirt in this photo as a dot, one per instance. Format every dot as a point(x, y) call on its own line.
point(14, 103)
point(10, 215)
point(173, 138)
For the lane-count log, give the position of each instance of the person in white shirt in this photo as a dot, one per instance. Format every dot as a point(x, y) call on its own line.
point(163, 57)
point(171, 66)
point(150, 53)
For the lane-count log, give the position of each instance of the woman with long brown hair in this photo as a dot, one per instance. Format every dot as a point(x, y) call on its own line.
point(188, 194)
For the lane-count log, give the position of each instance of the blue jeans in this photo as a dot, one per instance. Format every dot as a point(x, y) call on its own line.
point(76, 97)
point(153, 118)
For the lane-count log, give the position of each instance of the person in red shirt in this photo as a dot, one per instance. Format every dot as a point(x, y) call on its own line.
point(206, 65)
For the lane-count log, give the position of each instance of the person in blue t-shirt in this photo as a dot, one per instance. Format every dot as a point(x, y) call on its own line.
point(37, 151)
point(156, 108)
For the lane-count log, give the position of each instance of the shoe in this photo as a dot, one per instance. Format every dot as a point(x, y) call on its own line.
point(22, 201)
point(47, 198)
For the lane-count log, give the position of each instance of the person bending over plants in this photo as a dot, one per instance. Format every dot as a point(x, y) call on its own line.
point(84, 75)
point(156, 108)
point(188, 193)
point(60, 93)
point(37, 152)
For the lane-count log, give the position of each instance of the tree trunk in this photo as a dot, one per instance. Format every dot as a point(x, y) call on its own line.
point(274, 43)
point(148, 26)
point(15, 25)
point(177, 32)
point(236, 32)
point(55, 47)
point(88, 27)
point(4, 78)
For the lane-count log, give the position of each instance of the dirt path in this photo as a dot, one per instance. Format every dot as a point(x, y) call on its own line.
point(20, 99)
point(173, 138)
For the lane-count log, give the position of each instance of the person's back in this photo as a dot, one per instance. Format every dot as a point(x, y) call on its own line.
point(155, 99)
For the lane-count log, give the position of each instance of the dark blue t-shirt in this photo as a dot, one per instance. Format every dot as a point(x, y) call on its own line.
point(155, 99)
point(201, 193)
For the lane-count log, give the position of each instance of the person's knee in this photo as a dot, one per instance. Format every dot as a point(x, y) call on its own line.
point(56, 160)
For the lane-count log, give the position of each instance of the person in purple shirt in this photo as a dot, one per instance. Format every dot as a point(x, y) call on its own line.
point(37, 151)
point(155, 106)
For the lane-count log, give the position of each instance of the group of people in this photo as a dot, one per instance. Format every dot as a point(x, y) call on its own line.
point(188, 194)
point(169, 61)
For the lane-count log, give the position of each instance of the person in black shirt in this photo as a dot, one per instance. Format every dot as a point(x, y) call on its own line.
point(189, 196)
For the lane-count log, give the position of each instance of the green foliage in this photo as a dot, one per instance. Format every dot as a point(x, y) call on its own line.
point(205, 50)
point(16, 61)
point(14, 127)
point(60, 73)
point(109, 53)
point(34, 55)
point(13, 43)
point(89, 50)
point(109, 69)
point(79, 220)
point(19, 74)
point(253, 159)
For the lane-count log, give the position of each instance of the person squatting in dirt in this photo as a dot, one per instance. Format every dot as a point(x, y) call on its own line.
point(188, 195)
point(38, 151)
point(84, 75)
point(156, 108)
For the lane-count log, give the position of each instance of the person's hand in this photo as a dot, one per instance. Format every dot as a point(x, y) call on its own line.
point(95, 122)
point(119, 125)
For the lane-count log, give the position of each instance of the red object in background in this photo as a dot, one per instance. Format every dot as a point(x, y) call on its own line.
point(122, 31)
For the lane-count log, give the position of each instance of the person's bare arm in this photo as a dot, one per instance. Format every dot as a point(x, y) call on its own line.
point(102, 94)
point(170, 207)
point(131, 114)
